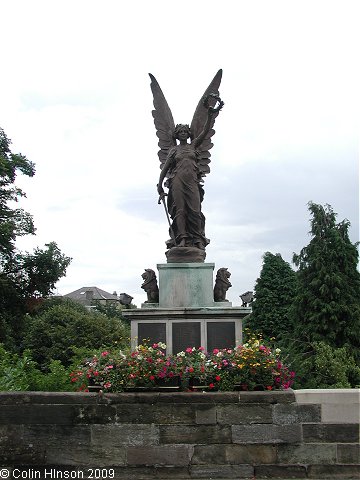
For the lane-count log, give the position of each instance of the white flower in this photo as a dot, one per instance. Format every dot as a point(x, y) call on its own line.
point(162, 345)
point(277, 351)
point(202, 356)
point(180, 354)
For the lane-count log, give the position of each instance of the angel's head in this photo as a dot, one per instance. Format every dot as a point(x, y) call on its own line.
point(182, 132)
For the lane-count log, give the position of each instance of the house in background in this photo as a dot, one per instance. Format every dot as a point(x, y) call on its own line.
point(89, 296)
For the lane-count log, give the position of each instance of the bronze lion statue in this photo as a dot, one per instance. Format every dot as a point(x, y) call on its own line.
point(150, 286)
point(222, 284)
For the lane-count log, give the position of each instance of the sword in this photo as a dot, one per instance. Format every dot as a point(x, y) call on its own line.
point(162, 200)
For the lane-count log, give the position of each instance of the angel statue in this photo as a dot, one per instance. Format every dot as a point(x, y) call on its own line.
point(184, 160)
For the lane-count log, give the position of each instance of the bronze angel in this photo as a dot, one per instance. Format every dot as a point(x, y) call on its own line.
point(185, 164)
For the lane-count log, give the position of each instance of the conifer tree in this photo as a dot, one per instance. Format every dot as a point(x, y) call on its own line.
point(327, 303)
point(274, 293)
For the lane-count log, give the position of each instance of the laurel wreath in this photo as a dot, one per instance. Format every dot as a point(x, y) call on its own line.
point(215, 97)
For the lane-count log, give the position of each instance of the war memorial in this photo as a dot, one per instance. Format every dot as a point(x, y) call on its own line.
point(192, 435)
point(185, 307)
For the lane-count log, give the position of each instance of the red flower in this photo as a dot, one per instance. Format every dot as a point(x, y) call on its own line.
point(152, 378)
point(211, 385)
point(269, 387)
point(191, 370)
point(218, 378)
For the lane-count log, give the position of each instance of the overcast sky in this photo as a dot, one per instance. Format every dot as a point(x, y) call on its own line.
point(75, 98)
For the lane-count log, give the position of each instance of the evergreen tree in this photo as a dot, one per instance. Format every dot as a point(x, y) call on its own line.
point(327, 303)
point(274, 293)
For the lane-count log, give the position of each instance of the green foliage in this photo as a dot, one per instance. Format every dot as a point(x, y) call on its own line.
point(14, 222)
point(20, 373)
point(38, 272)
point(274, 293)
point(326, 367)
point(23, 276)
point(57, 328)
point(327, 302)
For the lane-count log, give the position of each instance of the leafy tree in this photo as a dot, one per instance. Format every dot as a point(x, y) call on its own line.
point(274, 293)
point(58, 330)
point(327, 303)
point(14, 222)
point(23, 276)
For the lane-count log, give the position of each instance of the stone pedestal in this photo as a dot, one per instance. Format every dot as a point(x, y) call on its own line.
point(187, 315)
point(186, 285)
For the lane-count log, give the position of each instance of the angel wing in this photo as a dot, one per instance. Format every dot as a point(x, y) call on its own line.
point(163, 119)
point(199, 120)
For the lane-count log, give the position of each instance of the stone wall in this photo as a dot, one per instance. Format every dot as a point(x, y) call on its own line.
point(180, 435)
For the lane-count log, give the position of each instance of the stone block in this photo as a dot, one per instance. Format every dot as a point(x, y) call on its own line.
point(159, 414)
point(233, 454)
point(275, 396)
point(338, 396)
point(266, 433)
point(95, 414)
point(22, 455)
point(280, 471)
point(307, 454)
point(86, 455)
point(55, 435)
point(332, 472)
point(328, 433)
point(205, 415)
point(38, 414)
point(171, 455)
point(340, 413)
point(11, 434)
point(348, 453)
point(221, 471)
point(195, 434)
point(287, 414)
point(244, 414)
point(124, 434)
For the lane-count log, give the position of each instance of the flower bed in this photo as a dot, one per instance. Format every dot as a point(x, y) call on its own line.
point(251, 366)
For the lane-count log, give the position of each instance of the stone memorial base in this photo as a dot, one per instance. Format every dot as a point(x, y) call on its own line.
point(186, 315)
point(180, 328)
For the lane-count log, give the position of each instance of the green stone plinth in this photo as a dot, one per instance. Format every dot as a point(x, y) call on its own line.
point(186, 285)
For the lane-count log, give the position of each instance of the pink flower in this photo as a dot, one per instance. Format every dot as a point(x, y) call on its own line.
point(155, 345)
point(215, 351)
point(188, 350)
point(103, 354)
point(107, 385)
point(201, 349)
